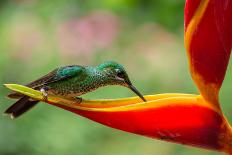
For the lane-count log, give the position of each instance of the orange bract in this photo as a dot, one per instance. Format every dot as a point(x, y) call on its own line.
point(208, 38)
point(180, 118)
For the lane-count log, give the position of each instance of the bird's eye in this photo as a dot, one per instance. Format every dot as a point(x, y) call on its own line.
point(120, 74)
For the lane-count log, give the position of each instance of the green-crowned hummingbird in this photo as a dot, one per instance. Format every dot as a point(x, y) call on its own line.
point(72, 81)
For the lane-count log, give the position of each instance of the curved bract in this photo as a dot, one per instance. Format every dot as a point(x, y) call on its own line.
point(180, 118)
point(208, 39)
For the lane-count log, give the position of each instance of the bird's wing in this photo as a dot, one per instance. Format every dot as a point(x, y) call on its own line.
point(58, 74)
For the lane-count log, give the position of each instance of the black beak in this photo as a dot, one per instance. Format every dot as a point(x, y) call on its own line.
point(137, 92)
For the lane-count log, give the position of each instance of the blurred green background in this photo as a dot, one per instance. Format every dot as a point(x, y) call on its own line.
point(37, 36)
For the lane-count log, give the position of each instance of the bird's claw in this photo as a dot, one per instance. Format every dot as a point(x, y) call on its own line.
point(44, 94)
point(78, 100)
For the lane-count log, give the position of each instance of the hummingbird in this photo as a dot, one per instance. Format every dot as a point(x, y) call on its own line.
point(71, 82)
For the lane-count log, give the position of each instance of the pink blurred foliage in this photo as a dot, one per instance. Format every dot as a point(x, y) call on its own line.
point(25, 38)
point(88, 34)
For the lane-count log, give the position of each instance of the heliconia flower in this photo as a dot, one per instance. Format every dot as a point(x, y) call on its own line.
point(195, 120)
point(208, 39)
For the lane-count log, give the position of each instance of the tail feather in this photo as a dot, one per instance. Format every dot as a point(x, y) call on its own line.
point(21, 106)
point(15, 95)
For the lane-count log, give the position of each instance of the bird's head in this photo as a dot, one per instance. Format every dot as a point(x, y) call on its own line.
point(118, 76)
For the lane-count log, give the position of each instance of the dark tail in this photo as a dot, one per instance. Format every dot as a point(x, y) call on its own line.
point(21, 106)
point(15, 95)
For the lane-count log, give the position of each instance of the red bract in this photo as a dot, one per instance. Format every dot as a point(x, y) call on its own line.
point(180, 122)
point(208, 37)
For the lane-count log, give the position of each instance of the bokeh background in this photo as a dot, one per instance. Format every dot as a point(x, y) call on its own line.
point(37, 36)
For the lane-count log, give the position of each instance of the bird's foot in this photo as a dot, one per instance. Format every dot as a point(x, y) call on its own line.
point(78, 99)
point(44, 93)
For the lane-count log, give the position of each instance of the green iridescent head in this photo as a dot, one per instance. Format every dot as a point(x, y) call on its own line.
point(117, 73)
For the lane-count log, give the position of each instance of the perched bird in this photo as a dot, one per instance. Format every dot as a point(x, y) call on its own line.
point(72, 81)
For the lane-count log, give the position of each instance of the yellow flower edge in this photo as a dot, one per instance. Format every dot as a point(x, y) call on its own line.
point(134, 104)
point(122, 104)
